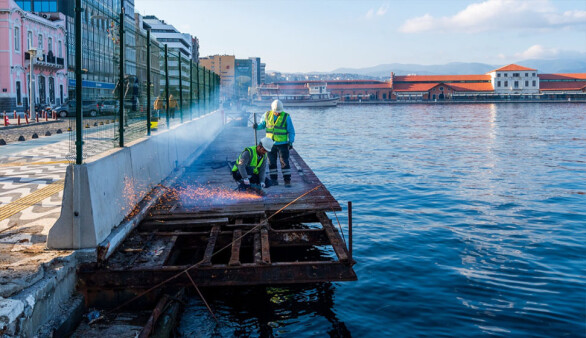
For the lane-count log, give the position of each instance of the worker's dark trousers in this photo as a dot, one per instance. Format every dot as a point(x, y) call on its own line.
point(282, 151)
point(254, 178)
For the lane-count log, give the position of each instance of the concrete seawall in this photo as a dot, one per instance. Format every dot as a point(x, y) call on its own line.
point(99, 194)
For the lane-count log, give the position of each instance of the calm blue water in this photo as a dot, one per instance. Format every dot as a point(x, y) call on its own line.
point(468, 220)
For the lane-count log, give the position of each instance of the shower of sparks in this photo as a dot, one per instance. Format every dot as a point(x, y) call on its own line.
point(202, 196)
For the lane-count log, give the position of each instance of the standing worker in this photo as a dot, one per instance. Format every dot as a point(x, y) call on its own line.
point(158, 106)
point(280, 129)
point(252, 162)
point(172, 105)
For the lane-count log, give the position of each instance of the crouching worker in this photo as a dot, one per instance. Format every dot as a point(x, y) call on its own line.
point(250, 167)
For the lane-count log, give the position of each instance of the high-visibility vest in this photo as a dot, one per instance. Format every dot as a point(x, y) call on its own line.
point(276, 130)
point(253, 161)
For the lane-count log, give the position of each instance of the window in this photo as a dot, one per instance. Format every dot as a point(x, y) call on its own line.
point(516, 84)
point(17, 39)
point(498, 83)
point(50, 44)
point(59, 49)
point(526, 83)
point(442, 89)
point(498, 75)
point(29, 40)
point(18, 94)
point(526, 74)
point(506, 83)
point(505, 74)
point(40, 41)
point(534, 83)
point(533, 74)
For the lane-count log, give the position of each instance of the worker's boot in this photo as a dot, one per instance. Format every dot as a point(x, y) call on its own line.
point(287, 182)
point(274, 180)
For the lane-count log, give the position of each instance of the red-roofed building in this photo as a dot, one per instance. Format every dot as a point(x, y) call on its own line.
point(563, 85)
point(346, 90)
point(511, 82)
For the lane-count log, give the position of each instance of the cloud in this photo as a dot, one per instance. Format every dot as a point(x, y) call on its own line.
point(541, 52)
point(498, 15)
point(381, 11)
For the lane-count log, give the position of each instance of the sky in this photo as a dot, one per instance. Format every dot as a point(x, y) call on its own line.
point(324, 35)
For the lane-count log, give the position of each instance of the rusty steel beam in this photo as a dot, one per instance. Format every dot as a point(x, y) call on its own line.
point(334, 236)
point(218, 275)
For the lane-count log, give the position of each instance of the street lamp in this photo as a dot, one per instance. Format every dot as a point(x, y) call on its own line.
point(33, 52)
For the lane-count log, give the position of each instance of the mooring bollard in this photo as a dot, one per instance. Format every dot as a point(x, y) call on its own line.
point(6, 123)
point(37, 117)
point(46, 116)
point(18, 120)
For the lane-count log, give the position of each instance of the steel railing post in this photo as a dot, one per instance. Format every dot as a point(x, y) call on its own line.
point(121, 80)
point(190, 90)
point(350, 231)
point(180, 89)
point(78, 88)
point(167, 85)
point(148, 74)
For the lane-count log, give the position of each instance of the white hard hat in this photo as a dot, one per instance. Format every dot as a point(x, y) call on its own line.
point(266, 143)
point(277, 106)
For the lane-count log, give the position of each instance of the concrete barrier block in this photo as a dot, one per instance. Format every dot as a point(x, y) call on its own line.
point(112, 194)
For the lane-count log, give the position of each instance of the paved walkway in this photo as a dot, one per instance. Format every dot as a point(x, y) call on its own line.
point(32, 174)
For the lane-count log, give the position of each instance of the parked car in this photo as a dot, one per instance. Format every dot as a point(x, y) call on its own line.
point(109, 107)
point(90, 107)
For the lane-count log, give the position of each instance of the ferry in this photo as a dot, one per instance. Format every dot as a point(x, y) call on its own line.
point(312, 95)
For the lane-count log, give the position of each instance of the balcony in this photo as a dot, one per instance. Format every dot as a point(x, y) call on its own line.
point(47, 61)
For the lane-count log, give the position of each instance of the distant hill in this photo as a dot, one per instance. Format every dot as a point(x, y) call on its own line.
point(464, 68)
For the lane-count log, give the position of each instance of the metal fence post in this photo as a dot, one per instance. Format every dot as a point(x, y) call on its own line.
point(180, 89)
point(204, 91)
point(121, 80)
point(148, 74)
point(78, 83)
point(198, 91)
point(167, 84)
point(190, 90)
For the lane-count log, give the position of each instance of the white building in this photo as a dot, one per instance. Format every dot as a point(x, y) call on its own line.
point(168, 35)
point(515, 79)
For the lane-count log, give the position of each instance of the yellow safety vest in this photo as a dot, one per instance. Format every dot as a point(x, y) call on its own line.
point(276, 130)
point(253, 161)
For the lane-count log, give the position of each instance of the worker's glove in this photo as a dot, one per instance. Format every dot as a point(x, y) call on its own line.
point(262, 185)
point(290, 145)
point(254, 125)
point(246, 181)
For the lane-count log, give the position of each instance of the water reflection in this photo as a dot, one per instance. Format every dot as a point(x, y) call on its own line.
point(264, 312)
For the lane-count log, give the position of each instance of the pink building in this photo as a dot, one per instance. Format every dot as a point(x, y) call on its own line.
point(44, 35)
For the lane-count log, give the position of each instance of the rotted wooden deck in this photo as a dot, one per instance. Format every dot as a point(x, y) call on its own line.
point(204, 232)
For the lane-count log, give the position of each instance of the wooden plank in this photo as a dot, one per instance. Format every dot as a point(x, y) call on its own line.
point(171, 245)
point(334, 236)
point(192, 222)
point(257, 250)
point(162, 214)
point(236, 242)
point(266, 253)
point(207, 258)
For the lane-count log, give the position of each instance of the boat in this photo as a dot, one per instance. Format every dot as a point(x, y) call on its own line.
point(311, 95)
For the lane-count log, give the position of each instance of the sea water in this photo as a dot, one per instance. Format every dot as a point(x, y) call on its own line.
point(469, 220)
